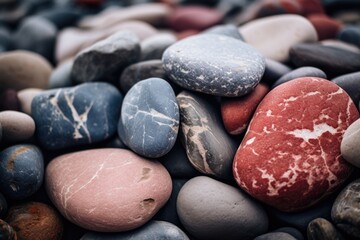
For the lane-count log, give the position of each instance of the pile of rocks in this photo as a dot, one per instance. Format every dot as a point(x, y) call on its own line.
point(179, 119)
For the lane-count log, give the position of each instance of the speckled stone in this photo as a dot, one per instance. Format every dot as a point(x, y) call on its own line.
point(61, 76)
point(350, 144)
point(16, 126)
point(300, 72)
point(3, 206)
point(149, 121)
point(350, 83)
point(6, 231)
point(322, 229)
point(208, 146)
point(345, 211)
point(71, 116)
point(35, 221)
point(154, 230)
point(210, 209)
point(199, 62)
point(154, 46)
point(25, 97)
point(105, 60)
point(275, 236)
point(229, 30)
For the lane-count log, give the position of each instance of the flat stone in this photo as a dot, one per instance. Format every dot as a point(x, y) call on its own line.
point(351, 84)
point(210, 209)
point(21, 170)
point(321, 228)
point(149, 121)
point(326, 27)
point(154, 46)
point(105, 60)
point(350, 34)
point(71, 116)
point(290, 157)
point(350, 150)
point(61, 76)
point(108, 190)
point(275, 236)
point(16, 126)
point(6, 231)
point(273, 37)
point(298, 73)
point(208, 146)
point(25, 97)
point(198, 63)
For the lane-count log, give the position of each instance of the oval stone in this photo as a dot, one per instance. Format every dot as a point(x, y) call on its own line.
point(321, 228)
point(149, 121)
point(214, 64)
point(210, 209)
point(25, 97)
point(107, 190)
point(290, 157)
point(350, 34)
point(275, 236)
point(300, 72)
point(350, 144)
point(153, 47)
point(6, 231)
point(326, 27)
point(351, 84)
point(61, 76)
point(21, 171)
point(9, 100)
point(16, 126)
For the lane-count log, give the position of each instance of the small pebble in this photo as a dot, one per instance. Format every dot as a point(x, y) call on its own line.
point(7, 232)
point(9, 100)
point(275, 236)
point(16, 126)
point(350, 144)
point(350, 34)
point(298, 73)
point(61, 76)
point(322, 229)
point(25, 97)
point(154, 46)
point(350, 83)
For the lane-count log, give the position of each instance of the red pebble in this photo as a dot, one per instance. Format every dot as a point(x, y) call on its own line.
point(237, 112)
point(311, 6)
point(290, 157)
point(326, 27)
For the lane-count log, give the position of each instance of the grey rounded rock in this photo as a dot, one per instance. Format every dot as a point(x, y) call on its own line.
point(322, 229)
point(225, 30)
point(214, 64)
point(274, 70)
point(351, 84)
point(350, 144)
point(350, 34)
point(154, 46)
point(61, 75)
point(275, 236)
point(16, 126)
point(292, 231)
point(210, 209)
point(300, 72)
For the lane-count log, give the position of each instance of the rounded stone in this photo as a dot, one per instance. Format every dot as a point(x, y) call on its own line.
point(326, 27)
point(154, 46)
point(340, 44)
point(350, 144)
point(321, 228)
point(351, 84)
point(32, 70)
point(275, 236)
point(273, 37)
point(199, 62)
point(7, 232)
point(16, 126)
point(9, 100)
point(300, 72)
point(107, 190)
point(350, 34)
point(210, 209)
point(35, 221)
point(292, 231)
point(3, 206)
point(149, 121)
point(21, 171)
point(274, 70)
point(290, 157)
point(229, 30)
point(61, 76)
point(25, 97)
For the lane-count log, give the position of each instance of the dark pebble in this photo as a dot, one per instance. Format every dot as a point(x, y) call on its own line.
point(3, 206)
point(274, 70)
point(9, 100)
point(351, 84)
point(61, 75)
point(292, 231)
point(225, 30)
point(300, 72)
point(275, 236)
point(350, 34)
point(6, 231)
point(322, 229)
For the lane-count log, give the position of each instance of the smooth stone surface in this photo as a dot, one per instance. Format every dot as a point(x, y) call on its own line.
point(61, 76)
point(6, 42)
point(105, 60)
point(6, 231)
point(25, 97)
point(198, 63)
point(333, 61)
point(326, 27)
point(21, 171)
point(71, 116)
point(350, 144)
point(149, 121)
point(229, 30)
point(32, 70)
point(208, 146)
point(275, 236)
point(340, 44)
point(9, 100)
point(62, 17)
point(350, 34)
point(35, 221)
point(108, 190)
point(154, 46)
point(309, 167)
point(210, 209)
point(16, 126)
point(345, 211)
point(236, 113)
point(322, 229)
point(274, 70)
point(3, 206)
point(153, 230)
point(350, 83)
point(273, 37)
point(298, 73)
point(292, 231)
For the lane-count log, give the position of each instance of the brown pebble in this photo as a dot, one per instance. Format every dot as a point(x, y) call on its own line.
point(9, 100)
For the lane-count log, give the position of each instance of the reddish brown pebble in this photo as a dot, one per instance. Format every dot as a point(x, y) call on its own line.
point(290, 157)
point(326, 27)
point(6, 231)
point(237, 112)
point(35, 221)
point(311, 6)
point(9, 100)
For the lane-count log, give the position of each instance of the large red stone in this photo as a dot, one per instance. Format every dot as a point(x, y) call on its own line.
point(290, 157)
point(326, 27)
point(311, 6)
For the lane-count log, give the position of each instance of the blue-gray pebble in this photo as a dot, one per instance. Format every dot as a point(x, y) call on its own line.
point(21, 171)
point(149, 121)
point(351, 84)
point(300, 72)
point(84, 114)
point(214, 64)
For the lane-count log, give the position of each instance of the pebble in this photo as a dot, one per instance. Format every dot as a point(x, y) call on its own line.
point(108, 190)
point(154, 46)
point(25, 97)
point(195, 62)
point(21, 171)
point(292, 231)
point(274, 70)
point(71, 116)
point(300, 72)
point(340, 44)
point(105, 60)
point(275, 236)
point(16, 126)
point(350, 83)
point(6, 231)
point(208, 146)
point(326, 27)
point(9, 100)
point(229, 30)
point(32, 70)
point(153, 230)
point(62, 17)
point(151, 116)
point(3, 206)
point(6, 42)
point(35, 221)
point(350, 150)
point(61, 76)
point(273, 37)
point(322, 229)
point(350, 34)
point(210, 209)
point(320, 128)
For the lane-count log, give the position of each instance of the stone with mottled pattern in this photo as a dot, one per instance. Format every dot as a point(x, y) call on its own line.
point(107, 189)
point(290, 157)
point(84, 114)
point(214, 64)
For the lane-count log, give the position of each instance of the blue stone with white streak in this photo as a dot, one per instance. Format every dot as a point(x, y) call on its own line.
point(149, 121)
point(73, 116)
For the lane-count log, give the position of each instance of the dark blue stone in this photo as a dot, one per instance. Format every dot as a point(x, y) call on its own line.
point(292, 231)
point(80, 115)
point(3, 206)
point(274, 70)
point(149, 121)
point(154, 230)
point(300, 72)
point(351, 84)
point(350, 34)
point(21, 171)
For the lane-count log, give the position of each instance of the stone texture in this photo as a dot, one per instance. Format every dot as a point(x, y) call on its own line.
point(16, 126)
point(210, 209)
point(6, 231)
point(61, 76)
point(298, 73)
point(275, 236)
point(292, 231)
point(105, 60)
point(322, 229)
point(273, 37)
point(229, 30)
point(149, 121)
point(154, 46)
point(71, 116)
point(198, 63)
point(208, 147)
point(351, 84)
point(340, 44)
point(274, 70)
point(290, 157)
point(25, 97)
point(326, 27)
point(350, 144)
point(107, 190)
